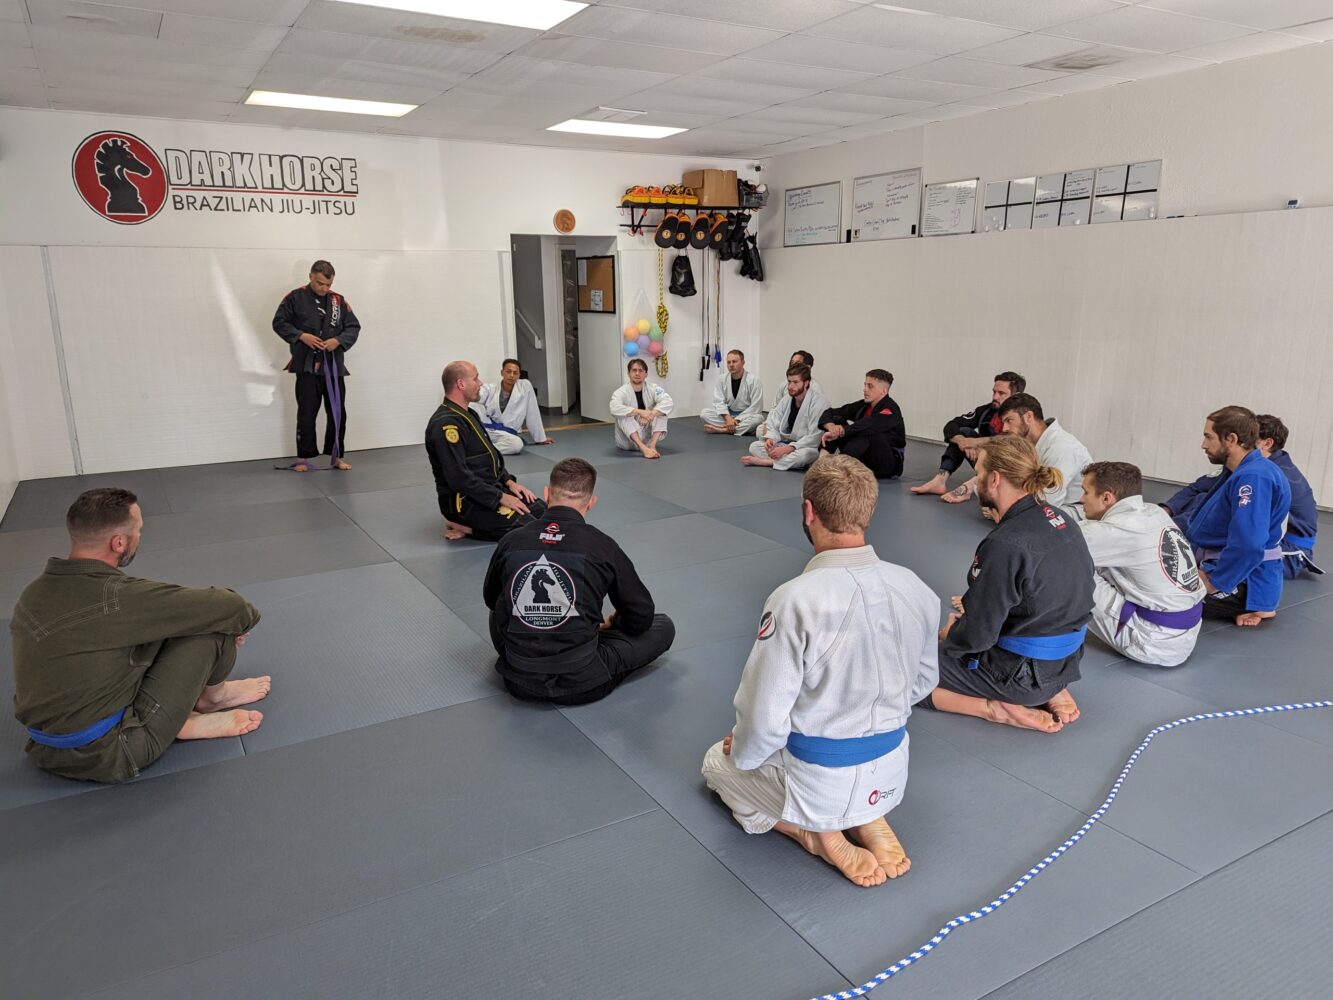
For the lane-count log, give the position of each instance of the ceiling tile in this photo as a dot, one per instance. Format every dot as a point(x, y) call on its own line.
point(263, 11)
point(1026, 49)
point(14, 35)
point(129, 86)
point(923, 33)
point(327, 121)
point(1262, 14)
point(19, 79)
point(782, 74)
point(545, 78)
point(186, 30)
point(759, 95)
point(94, 18)
point(955, 69)
point(12, 10)
point(353, 88)
point(619, 24)
point(667, 100)
point(783, 15)
point(112, 66)
point(794, 146)
point(1075, 83)
point(735, 138)
point(357, 19)
point(865, 104)
point(136, 104)
point(1320, 31)
point(622, 55)
point(830, 53)
point(944, 112)
point(1004, 99)
point(801, 113)
point(67, 43)
point(1147, 66)
point(293, 68)
point(390, 51)
point(1025, 15)
point(1258, 44)
point(1150, 30)
point(917, 90)
point(752, 126)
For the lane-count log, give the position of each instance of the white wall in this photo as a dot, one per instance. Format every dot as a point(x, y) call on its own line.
point(168, 320)
point(1128, 333)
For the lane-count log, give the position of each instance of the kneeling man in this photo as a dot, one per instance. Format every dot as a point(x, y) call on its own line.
point(1013, 647)
point(738, 400)
point(819, 751)
point(640, 410)
point(109, 668)
point(792, 439)
point(1147, 595)
point(545, 586)
point(871, 429)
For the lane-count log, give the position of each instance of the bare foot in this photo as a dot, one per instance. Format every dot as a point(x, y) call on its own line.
point(1063, 709)
point(234, 694)
point(1252, 618)
point(302, 466)
point(751, 460)
point(651, 453)
point(215, 725)
point(1022, 717)
point(856, 863)
point(937, 485)
point(959, 494)
point(714, 429)
point(879, 839)
point(341, 466)
point(453, 532)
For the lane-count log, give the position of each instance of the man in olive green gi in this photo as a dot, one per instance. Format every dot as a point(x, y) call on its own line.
point(109, 668)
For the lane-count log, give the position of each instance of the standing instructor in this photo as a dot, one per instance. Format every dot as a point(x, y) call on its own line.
point(320, 328)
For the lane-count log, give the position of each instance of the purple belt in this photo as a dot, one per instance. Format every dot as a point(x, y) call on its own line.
point(1167, 619)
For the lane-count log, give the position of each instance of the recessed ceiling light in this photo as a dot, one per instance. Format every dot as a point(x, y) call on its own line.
point(313, 102)
point(539, 14)
point(616, 128)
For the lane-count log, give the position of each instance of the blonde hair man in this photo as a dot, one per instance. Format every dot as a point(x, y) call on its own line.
point(819, 750)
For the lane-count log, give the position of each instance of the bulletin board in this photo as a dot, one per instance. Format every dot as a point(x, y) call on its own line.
point(597, 284)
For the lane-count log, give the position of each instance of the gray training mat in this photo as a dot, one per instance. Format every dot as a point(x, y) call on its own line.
point(279, 840)
point(41, 503)
point(491, 932)
point(400, 655)
point(1257, 928)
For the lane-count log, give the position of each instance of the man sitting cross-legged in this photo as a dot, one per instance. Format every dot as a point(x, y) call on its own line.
point(962, 433)
point(819, 750)
point(545, 586)
point(738, 400)
point(869, 429)
point(1012, 648)
point(792, 440)
point(109, 668)
point(640, 410)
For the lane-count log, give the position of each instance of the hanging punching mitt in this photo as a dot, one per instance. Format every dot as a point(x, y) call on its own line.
point(665, 234)
point(699, 232)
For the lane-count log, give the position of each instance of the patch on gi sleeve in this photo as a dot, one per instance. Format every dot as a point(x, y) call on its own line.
point(451, 434)
point(1244, 494)
point(767, 626)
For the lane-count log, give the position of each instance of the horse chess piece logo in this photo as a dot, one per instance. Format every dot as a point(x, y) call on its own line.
point(120, 177)
point(543, 594)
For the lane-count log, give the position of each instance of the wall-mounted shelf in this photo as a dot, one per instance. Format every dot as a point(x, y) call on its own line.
point(644, 207)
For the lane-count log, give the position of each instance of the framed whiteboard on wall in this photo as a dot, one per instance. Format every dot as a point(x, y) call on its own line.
point(886, 206)
point(950, 208)
point(813, 215)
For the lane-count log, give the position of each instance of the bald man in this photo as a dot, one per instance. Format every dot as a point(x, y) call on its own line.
point(478, 496)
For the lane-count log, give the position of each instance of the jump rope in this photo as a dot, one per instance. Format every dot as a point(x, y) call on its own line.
point(1059, 852)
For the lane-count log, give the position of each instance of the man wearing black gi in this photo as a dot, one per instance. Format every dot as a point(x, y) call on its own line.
point(545, 587)
point(1012, 648)
point(961, 433)
point(478, 496)
point(870, 430)
point(320, 328)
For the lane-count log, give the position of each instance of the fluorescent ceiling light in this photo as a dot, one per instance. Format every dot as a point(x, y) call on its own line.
point(616, 128)
point(312, 102)
point(539, 14)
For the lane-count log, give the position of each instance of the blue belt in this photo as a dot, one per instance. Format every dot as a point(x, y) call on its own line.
point(1305, 542)
point(72, 741)
point(1043, 647)
point(843, 753)
point(500, 427)
point(1167, 619)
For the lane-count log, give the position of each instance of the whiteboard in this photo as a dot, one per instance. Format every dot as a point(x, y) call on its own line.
point(1050, 187)
point(950, 208)
point(1046, 215)
point(1078, 184)
point(1111, 180)
point(1144, 176)
point(1075, 213)
point(1107, 207)
point(813, 215)
point(886, 206)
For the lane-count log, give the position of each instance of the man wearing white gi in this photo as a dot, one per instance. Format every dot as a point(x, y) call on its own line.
point(819, 751)
point(738, 400)
point(640, 410)
point(797, 358)
point(792, 441)
point(1147, 595)
point(506, 406)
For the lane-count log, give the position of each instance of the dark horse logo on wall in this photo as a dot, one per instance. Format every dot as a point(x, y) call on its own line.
point(120, 177)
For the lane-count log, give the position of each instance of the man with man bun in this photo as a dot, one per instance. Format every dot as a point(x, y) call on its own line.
point(1012, 647)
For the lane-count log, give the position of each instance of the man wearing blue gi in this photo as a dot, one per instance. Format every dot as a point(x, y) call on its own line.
point(1237, 530)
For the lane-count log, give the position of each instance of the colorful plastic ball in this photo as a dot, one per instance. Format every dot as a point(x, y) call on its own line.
point(644, 342)
point(655, 333)
point(632, 331)
point(644, 326)
point(655, 348)
point(631, 349)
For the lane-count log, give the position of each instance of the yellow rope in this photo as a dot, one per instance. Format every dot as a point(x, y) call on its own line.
point(663, 316)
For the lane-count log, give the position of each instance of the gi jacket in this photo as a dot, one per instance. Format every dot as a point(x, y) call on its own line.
point(983, 421)
point(883, 416)
point(84, 634)
point(545, 586)
point(1031, 576)
point(464, 461)
point(301, 311)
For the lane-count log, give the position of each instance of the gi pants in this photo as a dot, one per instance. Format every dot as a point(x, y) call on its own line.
point(745, 422)
point(1227, 606)
point(953, 456)
point(626, 426)
point(873, 451)
point(618, 656)
point(1015, 680)
point(166, 697)
point(486, 525)
point(310, 390)
point(798, 459)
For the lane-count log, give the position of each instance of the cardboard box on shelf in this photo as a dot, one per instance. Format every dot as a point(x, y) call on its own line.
point(714, 187)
